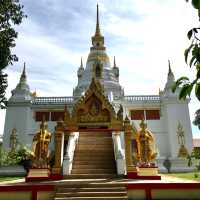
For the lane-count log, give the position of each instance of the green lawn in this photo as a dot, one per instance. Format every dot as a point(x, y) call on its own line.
point(195, 176)
point(9, 178)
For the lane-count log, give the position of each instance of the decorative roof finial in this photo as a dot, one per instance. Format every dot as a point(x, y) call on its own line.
point(170, 70)
point(81, 63)
point(114, 62)
point(24, 71)
point(98, 32)
point(170, 73)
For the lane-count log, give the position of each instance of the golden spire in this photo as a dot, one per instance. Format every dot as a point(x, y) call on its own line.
point(98, 32)
point(98, 39)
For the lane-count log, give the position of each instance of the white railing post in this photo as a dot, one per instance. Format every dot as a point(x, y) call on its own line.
point(119, 153)
point(69, 153)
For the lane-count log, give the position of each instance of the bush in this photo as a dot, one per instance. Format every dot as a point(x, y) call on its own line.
point(14, 157)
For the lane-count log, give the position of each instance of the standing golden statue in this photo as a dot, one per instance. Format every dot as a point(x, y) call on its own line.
point(183, 152)
point(146, 145)
point(40, 146)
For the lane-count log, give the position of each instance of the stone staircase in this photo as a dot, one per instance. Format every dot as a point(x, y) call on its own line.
point(92, 190)
point(93, 171)
point(94, 156)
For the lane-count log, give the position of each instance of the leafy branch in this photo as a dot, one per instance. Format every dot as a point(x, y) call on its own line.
point(192, 58)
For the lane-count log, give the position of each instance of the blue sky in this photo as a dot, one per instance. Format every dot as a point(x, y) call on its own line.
point(142, 35)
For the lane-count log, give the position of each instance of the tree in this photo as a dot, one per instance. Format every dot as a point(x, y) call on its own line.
point(186, 86)
point(11, 14)
point(196, 121)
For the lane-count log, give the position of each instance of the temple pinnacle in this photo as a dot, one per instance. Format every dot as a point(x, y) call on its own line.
point(98, 32)
point(24, 71)
point(114, 62)
point(81, 66)
point(170, 70)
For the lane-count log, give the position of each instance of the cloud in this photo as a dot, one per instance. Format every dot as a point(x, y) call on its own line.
point(142, 35)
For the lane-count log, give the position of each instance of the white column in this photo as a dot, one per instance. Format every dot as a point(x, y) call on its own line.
point(119, 153)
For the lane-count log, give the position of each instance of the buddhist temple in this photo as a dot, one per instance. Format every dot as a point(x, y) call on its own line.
point(94, 132)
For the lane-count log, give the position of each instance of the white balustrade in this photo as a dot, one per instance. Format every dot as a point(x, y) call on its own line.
point(119, 153)
point(154, 98)
point(69, 154)
point(52, 100)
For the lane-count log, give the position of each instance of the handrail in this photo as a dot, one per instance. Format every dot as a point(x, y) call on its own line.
point(69, 155)
point(119, 153)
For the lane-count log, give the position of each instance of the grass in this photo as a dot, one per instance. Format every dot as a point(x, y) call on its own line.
point(10, 178)
point(195, 176)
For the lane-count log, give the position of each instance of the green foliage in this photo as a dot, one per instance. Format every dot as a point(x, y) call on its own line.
point(196, 121)
point(14, 157)
point(186, 175)
point(192, 58)
point(194, 155)
point(3, 86)
point(11, 14)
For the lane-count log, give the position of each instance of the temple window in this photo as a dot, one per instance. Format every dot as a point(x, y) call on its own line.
point(39, 116)
point(98, 71)
point(49, 116)
point(140, 114)
point(56, 116)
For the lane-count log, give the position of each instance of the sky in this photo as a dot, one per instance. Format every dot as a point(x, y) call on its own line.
point(142, 35)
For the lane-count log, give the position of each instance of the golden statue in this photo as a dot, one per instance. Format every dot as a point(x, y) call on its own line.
point(146, 145)
point(40, 146)
point(183, 152)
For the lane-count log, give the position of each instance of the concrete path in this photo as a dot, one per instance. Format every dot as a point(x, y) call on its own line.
point(164, 179)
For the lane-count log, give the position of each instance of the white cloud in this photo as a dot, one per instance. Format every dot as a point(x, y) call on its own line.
point(142, 35)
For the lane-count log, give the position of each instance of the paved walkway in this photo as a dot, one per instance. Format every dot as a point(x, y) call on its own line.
point(164, 179)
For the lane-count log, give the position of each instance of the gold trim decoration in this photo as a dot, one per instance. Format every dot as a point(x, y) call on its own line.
point(95, 108)
point(58, 144)
point(130, 135)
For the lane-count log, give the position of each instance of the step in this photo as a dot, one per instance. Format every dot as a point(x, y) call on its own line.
point(93, 162)
point(91, 198)
point(99, 145)
point(94, 152)
point(95, 134)
point(96, 139)
point(90, 189)
point(90, 194)
point(93, 159)
point(92, 183)
point(90, 176)
point(95, 166)
point(93, 171)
